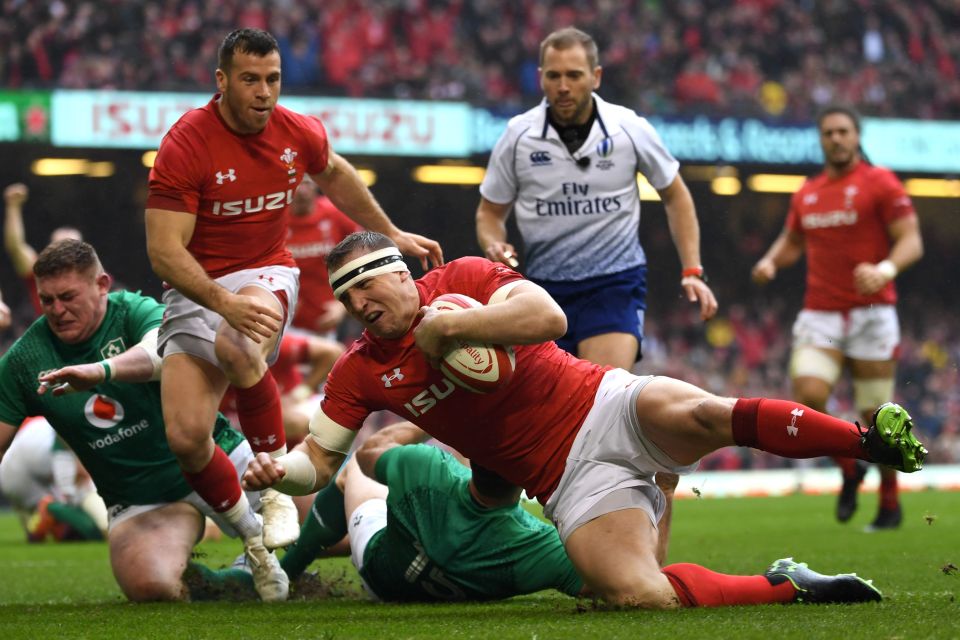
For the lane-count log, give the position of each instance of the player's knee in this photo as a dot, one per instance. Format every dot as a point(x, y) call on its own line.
point(638, 592)
point(188, 441)
point(236, 359)
point(712, 415)
point(153, 588)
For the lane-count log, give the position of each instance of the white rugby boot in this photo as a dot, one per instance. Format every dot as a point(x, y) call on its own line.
point(281, 522)
point(269, 579)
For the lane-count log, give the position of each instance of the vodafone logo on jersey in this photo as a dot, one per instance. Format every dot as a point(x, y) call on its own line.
point(103, 411)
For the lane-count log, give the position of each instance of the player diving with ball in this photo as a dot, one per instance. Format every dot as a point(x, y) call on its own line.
point(586, 441)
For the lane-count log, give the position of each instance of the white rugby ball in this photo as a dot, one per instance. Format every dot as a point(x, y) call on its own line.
point(477, 367)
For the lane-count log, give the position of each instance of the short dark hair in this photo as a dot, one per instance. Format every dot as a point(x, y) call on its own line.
point(571, 37)
point(66, 255)
point(842, 109)
point(492, 485)
point(256, 42)
point(369, 240)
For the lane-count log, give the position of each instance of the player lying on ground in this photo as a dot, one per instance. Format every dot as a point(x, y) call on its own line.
point(585, 440)
point(76, 366)
point(423, 527)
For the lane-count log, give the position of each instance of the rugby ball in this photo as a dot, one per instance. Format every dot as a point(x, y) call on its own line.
point(477, 367)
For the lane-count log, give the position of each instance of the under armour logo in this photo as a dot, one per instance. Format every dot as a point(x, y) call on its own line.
point(792, 428)
point(809, 199)
point(223, 505)
point(259, 441)
point(229, 175)
point(267, 278)
point(388, 380)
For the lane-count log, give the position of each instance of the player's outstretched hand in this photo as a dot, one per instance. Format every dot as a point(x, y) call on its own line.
point(262, 473)
point(251, 316)
point(502, 252)
point(764, 271)
point(697, 290)
point(417, 246)
point(79, 377)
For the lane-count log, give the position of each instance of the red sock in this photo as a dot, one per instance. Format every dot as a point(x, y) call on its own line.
point(889, 493)
point(793, 430)
point(261, 416)
point(848, 466)
point(217, 482)
point(697, 586)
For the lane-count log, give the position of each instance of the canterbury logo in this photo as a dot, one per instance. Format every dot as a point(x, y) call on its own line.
point(388, 380)
point(229, 175)
point(540, 157)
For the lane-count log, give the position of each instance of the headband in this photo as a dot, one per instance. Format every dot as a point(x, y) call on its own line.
point(365, 267)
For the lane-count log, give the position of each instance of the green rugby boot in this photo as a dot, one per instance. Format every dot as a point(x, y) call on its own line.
point(890, 440)
point(816, 588)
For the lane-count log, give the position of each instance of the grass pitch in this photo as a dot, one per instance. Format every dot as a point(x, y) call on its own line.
point(67, 590)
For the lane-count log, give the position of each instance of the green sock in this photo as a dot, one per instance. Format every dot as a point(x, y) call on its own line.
point(77, 518)
point(325, 525)
point(205, 583)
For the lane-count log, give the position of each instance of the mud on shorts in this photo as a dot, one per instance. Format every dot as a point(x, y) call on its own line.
point(862, 333)
point(240, 457)
point(190, 328)
point(611, 465)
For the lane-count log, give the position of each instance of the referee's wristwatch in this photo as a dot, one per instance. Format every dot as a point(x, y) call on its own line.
point(694, 272)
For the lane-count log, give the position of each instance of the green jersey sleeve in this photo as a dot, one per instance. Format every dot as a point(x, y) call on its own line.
point(143, 312)
point(13, 409)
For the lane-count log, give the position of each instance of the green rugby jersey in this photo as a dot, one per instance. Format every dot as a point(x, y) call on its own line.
point(116, 429)
point(439, 544)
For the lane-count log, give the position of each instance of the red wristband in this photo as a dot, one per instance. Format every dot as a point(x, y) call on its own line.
point(696, 272)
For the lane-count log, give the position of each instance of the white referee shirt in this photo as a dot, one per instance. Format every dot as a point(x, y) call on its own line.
point(578, 222)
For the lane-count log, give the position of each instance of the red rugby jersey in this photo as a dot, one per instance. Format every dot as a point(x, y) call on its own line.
point(310, 238)
point(523, 430)
point(238, 185)
point(844, 222)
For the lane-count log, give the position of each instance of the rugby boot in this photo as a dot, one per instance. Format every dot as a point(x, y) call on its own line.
point(886, 519)
point(847, 501)
point(890, 440)
point(815, 588)
point(269, 579)
point(281, 523)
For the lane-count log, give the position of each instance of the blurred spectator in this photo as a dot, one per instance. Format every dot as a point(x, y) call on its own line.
point(889, 57)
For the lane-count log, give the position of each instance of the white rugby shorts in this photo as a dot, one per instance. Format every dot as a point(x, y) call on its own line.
point(863, 333)
point(240, 457)
point(365, 521)
point(611, 465)
point(190, 328)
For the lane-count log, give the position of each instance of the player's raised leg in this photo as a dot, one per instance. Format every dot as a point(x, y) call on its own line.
point(686, 423)
point(259, 410)
point(190, 387)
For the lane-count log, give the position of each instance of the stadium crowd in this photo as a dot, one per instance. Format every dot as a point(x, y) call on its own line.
point(766, 58)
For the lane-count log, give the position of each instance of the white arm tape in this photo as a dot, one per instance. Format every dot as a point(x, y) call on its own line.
point(301, 476)
point(149, 344)
point(330, 435)
point(500, 295)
